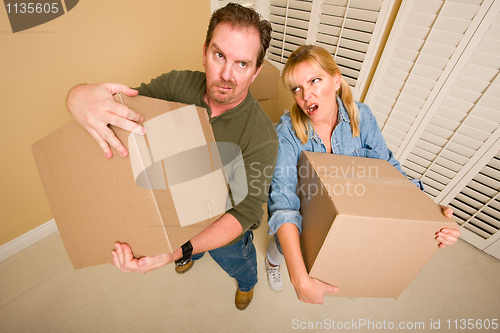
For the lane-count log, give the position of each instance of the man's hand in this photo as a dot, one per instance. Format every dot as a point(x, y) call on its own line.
point(447, 237)
point(93, 107)
point(310, 290)
point(125, 261)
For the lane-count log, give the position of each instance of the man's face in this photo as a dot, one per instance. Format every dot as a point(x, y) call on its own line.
point(230, 64)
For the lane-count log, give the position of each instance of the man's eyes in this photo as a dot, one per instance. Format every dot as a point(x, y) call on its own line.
point(241, 64)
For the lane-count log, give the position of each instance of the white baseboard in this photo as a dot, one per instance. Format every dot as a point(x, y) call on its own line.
point(28, 239)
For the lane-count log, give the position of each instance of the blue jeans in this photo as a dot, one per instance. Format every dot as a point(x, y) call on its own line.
point(239, 261)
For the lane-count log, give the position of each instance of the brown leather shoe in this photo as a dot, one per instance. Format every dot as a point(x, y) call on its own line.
point(243, 299)
point(185, 268)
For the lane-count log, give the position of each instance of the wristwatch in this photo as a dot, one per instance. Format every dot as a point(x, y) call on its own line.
point(187, 251)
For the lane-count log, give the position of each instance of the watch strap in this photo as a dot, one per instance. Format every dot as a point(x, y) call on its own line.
point(187, 252)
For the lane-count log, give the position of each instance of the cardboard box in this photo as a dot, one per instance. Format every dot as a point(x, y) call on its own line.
point(265, 85)
point(170, 188)
point(265, 89)
point(366, 228)
point(270, 106)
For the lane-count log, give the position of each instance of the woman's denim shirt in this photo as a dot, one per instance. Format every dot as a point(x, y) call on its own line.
point(283, 203)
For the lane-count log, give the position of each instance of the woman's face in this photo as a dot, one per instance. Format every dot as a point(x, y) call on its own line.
point(314, 92)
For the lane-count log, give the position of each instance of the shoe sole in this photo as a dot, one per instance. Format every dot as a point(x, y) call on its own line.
point(179, 270)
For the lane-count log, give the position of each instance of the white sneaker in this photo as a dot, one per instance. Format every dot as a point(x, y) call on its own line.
point(274, 277)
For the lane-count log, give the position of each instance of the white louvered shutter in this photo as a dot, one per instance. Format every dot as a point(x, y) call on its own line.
point(477, 206)
point(290, 20)
point(349, 29)
point(436, 98)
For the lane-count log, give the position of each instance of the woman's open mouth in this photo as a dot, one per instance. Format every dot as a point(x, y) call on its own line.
point(312, 108)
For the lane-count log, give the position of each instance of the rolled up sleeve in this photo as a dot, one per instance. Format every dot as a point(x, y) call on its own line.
point(283, 203)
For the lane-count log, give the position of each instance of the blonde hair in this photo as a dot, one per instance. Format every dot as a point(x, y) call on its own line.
point(317, 56)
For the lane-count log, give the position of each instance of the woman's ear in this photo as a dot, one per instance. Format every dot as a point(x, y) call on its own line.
point(338, 81)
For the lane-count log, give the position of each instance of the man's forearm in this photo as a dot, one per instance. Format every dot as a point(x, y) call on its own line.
point(217, 234)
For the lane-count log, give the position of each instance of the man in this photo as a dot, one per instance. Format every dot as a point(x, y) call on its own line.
point(233, 52)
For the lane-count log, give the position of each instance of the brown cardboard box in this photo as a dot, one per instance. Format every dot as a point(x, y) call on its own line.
point(97, 202)
point(265, 85)
point(270, 106)
point(265, 89)
point(366, 228)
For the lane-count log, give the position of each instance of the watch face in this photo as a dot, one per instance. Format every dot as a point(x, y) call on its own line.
point(182, 262)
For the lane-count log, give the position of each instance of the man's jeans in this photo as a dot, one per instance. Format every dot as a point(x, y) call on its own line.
point(238, 260)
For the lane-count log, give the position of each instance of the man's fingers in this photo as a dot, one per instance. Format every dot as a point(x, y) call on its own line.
point(127, 254)
point(126, 124)
point(108, 136)
point(115, 88)
point(101, 142)
point(119, 255)
point(123, 258)
point(122, 111)
point(119, 108)
point(93, 107)
point(115, 259)
point(331, 289)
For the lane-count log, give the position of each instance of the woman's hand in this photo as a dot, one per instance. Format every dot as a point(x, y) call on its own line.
point(310, 290)
point(447, 237)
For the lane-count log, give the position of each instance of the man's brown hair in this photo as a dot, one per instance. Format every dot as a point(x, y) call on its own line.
point(239, 16)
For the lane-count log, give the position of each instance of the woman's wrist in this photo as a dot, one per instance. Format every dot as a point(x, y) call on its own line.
point(299, 278)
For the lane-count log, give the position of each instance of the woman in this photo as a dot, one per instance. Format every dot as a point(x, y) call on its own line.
point(325, 118)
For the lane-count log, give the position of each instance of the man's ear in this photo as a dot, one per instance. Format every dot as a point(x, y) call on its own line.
point(256, 73)
point(204, 52)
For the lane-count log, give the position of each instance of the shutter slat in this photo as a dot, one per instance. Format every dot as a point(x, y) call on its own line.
point(469, 201)
point(452, 156)
point(460, 11)
point(487, 181)
point(482, 189)
point(448, 164)
point(475, 194)
point(428, 181)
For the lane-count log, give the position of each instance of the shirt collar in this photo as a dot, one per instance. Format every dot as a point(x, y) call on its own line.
point(343, 116)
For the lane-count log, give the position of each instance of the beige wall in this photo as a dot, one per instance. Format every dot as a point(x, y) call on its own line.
point(124, 41)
